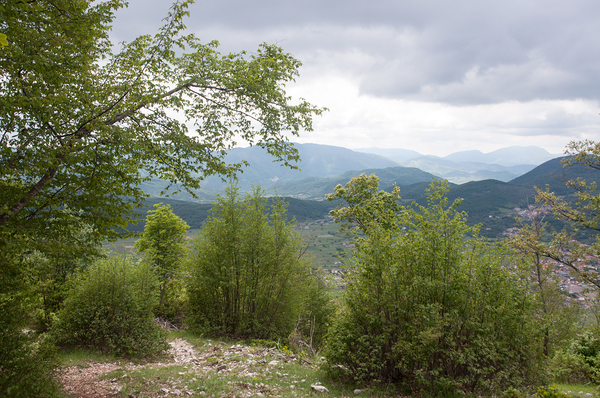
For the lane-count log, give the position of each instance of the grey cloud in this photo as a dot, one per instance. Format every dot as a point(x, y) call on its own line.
point(462, 53)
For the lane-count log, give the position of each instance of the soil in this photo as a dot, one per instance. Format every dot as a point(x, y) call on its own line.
point(86, 383)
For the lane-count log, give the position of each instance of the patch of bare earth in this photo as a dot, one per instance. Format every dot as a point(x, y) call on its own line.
point(86, 382)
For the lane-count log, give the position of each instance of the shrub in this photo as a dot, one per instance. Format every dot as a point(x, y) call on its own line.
point(27, 362)
point(109, 309)
point(428, 303)
point(580, 362)
point(550, 392)
point(248, 278)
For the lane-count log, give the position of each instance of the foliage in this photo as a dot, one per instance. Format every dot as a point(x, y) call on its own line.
point(27, 362)
point(163, 246)
point(109, 308)
point(315, 318)
point(428, 303)
point(582, 214)
point(550, 392)
point(50, 269)
point(579, 362)
point(82, 127)
point(248, 277)
point(557, 313)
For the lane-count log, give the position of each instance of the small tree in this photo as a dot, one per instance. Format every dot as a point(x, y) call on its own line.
point(581, 212)
point(248, 277)
point(428, 303)
point(163, 244)
point(557, 317)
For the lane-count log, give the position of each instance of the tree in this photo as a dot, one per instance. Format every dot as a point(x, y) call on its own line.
point(582, 212)
point(163, 243)
point(557, 315)
point(82, 127)
point(428, 304)
point(248, 278)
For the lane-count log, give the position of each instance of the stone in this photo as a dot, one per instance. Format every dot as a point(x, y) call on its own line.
point(319, 388)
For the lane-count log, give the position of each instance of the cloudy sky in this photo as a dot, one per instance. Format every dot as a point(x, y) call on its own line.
point(434, 76)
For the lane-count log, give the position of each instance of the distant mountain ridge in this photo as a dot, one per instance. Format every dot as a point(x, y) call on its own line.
point(503, 164)
point(491, 203)
point(316, 161)
point(324, 166)
point(509, 156)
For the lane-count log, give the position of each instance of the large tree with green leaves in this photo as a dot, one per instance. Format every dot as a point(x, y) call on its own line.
point(81, 126)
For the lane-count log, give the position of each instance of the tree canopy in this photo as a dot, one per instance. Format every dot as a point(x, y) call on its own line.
point(82, 126)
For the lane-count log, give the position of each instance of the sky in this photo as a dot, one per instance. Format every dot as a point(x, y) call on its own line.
point(433, 76)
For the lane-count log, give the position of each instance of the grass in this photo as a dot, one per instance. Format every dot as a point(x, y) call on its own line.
point(579, 390)
point(82, 358)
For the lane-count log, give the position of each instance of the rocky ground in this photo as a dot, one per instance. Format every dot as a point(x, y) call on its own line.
point(213, 370)
point(85, 382)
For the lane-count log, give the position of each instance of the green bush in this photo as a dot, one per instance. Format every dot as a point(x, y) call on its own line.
point(428, 303)
point(550, 392)
point(27, 361)
point(580, 362)
point(109, 309)
point(247, 276)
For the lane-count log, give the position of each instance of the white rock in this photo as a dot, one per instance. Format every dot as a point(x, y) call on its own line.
point(358, 391)
point(319, 388)
point(164, 390)
point(273, 363)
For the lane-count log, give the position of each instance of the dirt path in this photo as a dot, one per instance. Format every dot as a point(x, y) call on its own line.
point(85, 382)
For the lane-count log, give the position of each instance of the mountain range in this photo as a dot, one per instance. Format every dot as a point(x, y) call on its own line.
point(323, 166)
point(503, 164)
point(492, 203)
